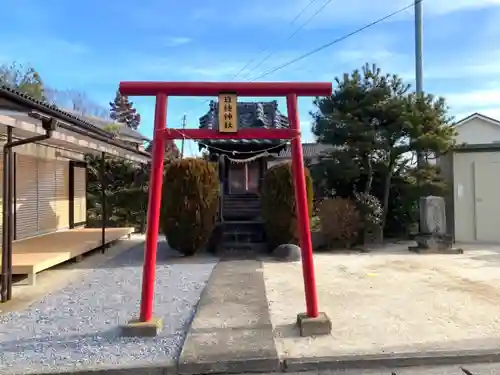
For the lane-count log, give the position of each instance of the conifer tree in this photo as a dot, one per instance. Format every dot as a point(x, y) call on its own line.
point(122, 110)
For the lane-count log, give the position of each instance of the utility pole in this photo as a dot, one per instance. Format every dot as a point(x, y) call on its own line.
point(419, 36)
point(419, 80)
point(183, 127)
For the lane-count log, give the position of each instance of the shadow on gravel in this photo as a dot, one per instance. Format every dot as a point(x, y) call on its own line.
point(134, 257)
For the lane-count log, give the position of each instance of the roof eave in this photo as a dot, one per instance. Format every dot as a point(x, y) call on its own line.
point(79, 125)
point(476, 115)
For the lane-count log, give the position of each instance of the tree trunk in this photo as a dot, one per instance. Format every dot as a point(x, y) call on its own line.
point(387, 192)
point(369, 172)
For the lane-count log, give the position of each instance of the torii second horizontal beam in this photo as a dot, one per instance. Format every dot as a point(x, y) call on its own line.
point(256, 133)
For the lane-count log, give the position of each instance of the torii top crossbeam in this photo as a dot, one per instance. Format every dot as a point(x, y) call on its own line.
point(146, 88)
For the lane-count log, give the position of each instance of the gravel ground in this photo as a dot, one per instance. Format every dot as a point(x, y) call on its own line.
point(387, 302)
point(77, 327)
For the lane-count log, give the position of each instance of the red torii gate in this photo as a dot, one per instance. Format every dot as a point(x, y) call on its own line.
point(161, 90)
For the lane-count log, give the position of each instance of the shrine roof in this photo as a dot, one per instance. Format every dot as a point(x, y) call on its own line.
point(250, 115)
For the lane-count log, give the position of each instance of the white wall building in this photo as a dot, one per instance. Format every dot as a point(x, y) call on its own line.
point(474, 169)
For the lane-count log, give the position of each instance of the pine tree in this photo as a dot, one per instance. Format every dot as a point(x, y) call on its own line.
point(122, 110)
point(374, 121)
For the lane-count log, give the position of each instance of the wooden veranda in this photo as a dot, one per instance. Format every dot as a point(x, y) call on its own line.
point(33, 255)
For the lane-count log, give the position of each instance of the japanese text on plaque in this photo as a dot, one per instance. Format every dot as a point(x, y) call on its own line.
point(228, 118)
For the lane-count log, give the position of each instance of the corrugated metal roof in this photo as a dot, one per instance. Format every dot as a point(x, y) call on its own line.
point(6, 90)
point(77, 121)
point(121, 128)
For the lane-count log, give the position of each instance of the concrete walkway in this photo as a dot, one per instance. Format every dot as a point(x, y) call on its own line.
point(232, 330)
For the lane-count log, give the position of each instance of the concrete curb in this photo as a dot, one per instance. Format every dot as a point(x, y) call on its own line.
point(256, 365)
point(392, 361)
point(167, 368)
point(270, 365)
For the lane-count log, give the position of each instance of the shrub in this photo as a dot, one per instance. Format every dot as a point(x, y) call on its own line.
point(340, 221)
point(189, 207)
point(278, 205)
point(371, 213)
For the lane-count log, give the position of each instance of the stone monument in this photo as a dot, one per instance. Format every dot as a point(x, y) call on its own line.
point(433, 237)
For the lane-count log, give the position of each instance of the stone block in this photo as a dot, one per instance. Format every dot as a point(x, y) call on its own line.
point(136, 328)
point(322, 325)
point(434, 244)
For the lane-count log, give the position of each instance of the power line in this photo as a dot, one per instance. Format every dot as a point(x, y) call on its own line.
point(265, 49)
point(302, 11)
point(342, 38)
point(296, 31)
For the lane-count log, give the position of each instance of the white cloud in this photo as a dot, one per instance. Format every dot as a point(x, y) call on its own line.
point(42, 44)
point(360, 55)
point(177, 41)
point(475, 99)
point(213, 72)
point(448, 6)
point(485, 101)
point(479, 64)
point(223, 66)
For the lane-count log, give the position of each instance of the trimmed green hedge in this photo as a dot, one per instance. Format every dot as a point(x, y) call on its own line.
point(189, 206)
point(278, 204)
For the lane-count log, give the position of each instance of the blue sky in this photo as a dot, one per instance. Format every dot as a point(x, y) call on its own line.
point(93, 45)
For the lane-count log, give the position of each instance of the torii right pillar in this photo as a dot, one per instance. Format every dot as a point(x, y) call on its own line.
point(312, 322)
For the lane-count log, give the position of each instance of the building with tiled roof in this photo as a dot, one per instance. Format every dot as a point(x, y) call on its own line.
point(250, 115)
point(44, 185)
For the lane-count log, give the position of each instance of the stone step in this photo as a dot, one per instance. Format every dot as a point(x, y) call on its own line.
point(241, 204)
point(258, 221)
point(241, 214)
point(240, 199)
point(252, 211)
point(241, 208)
point(241, 196)
point(228, 247)
point(243, 238)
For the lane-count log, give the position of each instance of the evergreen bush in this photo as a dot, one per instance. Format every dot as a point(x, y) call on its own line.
point(341, 222)
point(277, 196)
point(189, 205)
